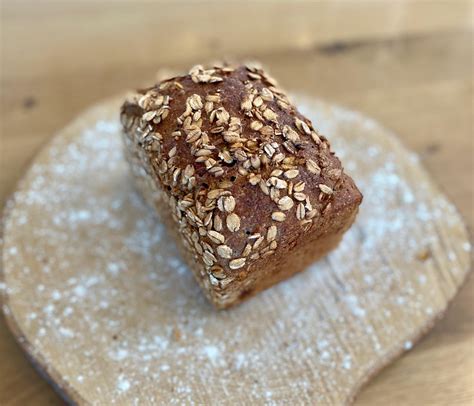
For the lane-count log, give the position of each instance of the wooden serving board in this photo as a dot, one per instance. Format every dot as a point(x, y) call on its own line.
point(96, 294)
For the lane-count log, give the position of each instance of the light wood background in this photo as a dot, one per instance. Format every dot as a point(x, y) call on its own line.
point(408, 64)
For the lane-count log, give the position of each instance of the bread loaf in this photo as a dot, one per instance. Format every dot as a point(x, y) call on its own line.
point(251, 192)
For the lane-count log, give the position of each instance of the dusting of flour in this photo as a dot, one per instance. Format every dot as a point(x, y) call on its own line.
point(112, 309)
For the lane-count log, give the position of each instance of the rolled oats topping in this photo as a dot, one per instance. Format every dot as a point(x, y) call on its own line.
point(285, 203)
point(237, 263)
point(224, 251)
point(233, 222)
point(213, 155)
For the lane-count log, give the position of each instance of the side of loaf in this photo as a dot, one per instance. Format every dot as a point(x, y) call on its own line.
point(250, 190)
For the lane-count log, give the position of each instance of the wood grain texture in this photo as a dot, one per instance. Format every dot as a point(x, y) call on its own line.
point(411, 68)
point(116, 318)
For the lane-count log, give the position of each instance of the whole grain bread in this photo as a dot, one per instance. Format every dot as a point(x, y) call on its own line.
point(250, 190)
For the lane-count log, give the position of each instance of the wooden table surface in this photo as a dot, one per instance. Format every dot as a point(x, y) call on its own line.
point(407, 64)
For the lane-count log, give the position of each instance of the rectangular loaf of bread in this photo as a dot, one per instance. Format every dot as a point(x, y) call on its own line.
point(250, 190)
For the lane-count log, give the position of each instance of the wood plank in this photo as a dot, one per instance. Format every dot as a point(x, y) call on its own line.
point(365, 303)
point(157, 33)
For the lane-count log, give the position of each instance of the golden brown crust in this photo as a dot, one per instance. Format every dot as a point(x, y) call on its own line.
point(244, 175)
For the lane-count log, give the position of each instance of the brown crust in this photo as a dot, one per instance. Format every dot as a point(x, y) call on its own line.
point(246, 178)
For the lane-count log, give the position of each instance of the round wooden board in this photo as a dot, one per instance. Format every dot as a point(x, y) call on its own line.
point(96, 294)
